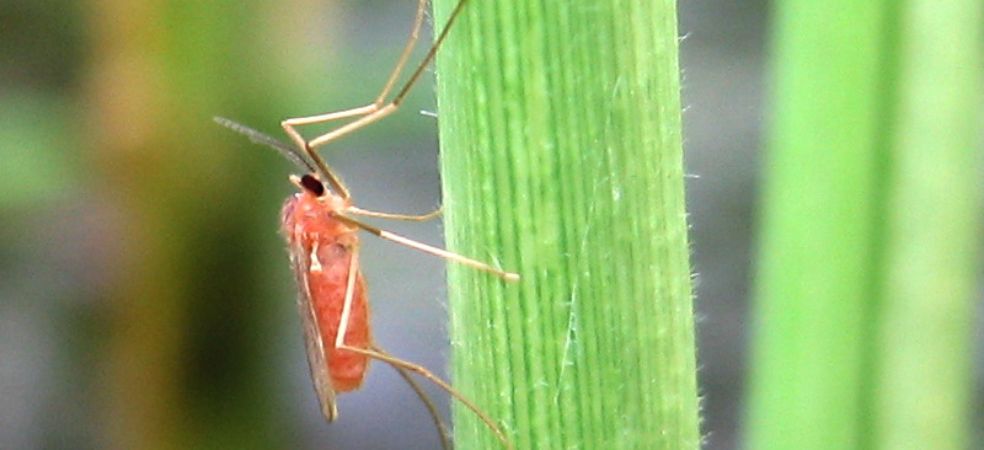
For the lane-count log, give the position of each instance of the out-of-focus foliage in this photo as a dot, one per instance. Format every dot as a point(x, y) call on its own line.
point(871, 228)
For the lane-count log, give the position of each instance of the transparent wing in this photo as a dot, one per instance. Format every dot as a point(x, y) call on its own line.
point(316, 352)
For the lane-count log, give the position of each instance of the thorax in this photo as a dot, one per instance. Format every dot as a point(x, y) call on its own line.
point(310, 218)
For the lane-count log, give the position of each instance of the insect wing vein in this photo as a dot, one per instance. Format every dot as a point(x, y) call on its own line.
point(313, 343)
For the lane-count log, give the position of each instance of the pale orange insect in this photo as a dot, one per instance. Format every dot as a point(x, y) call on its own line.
point(322, 237)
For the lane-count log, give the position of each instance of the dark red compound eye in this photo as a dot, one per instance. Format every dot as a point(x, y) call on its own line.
point(313, 185)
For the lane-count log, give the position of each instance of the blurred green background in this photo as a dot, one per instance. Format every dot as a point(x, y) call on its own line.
point(145, 295)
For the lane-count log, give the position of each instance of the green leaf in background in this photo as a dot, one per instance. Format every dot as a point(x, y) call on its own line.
point(39, 150)
point(870, 227)
point(924, 374)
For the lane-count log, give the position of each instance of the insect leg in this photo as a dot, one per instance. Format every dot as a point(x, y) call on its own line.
point(377, 111)
point(418, 21)
point(401, 62)
point(442, 429)
point(381, 355)
point(395, 216)
point(374, 111)
point(450, 256)
point(349, 294)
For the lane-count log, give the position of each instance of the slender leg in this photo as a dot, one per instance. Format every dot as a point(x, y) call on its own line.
point(361, 122)
point(381, 355)
point(418, 21)
point(290, 124)
point(442, 429)
point(349, 294)
point(408, 217)
point(340, 343)
point(377, 110)
point(401, 62)
point(454, 257)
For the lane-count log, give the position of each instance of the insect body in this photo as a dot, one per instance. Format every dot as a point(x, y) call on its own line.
point(324, 254)
point(323, 242)
point(322, 234)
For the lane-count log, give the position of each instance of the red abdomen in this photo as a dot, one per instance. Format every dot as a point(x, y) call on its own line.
point(327, 289)
point(322, 249)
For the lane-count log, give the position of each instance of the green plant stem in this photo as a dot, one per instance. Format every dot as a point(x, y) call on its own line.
point(561, 160)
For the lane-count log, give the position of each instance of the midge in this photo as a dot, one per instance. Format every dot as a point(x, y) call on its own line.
point(322, 235)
